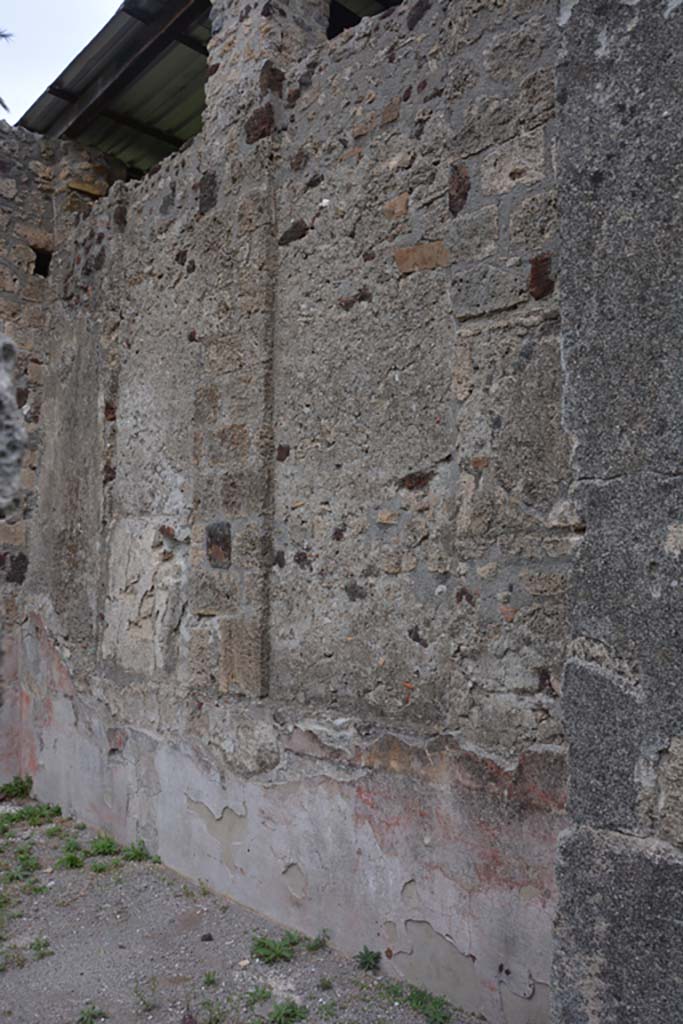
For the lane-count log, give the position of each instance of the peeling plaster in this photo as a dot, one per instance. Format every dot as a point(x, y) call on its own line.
point(229, 829)
point(442, 967)
point(295, 880)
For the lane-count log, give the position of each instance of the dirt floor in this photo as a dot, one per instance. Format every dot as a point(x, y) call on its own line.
point(115, 936)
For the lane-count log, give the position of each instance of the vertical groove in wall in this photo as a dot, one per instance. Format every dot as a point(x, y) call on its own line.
point(267, 429)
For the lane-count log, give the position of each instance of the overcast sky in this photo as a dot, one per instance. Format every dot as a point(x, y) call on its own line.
point(46, 36)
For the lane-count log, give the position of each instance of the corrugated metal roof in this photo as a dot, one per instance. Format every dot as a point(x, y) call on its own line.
point(137, 89)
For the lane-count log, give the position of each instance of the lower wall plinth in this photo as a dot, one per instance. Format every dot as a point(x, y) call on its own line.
point(436, 855)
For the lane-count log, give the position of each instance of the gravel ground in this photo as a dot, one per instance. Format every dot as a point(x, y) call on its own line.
point(134, 942)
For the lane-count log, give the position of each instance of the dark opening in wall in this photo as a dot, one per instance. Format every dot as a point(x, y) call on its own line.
point(347, 13)
point(41, 267)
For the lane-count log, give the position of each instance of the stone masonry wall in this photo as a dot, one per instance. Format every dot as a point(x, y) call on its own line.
point(619, 933)
point(45, 187)
point(294, 608)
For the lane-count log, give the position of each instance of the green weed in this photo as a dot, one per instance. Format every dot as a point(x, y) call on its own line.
point(271, 950)
point(11, 957)
point(146, 994)
point(209, 979)
point(26, 864)
point(325, 984)
point(435, 1009)
point(368, 959)
point(214, 1013)
point(103, 846)
point(37, 814)
point(136, 851)
point(288, 1012)
point(321, 941)
point(34, 888)
point(41, 948)
point(393, 991)
point(90, 1014)
point(260, 994)
point(17, 789)
point(70, 859)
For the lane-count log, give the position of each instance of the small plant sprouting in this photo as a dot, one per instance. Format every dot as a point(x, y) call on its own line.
point(393, 991)
point(103, 846)
point(71, 845)
point(328, 1011)
point(321, 941)
point(90, 1014)
point(260, 994)
point(214, 1013)
point(368, 959)
point(435, 1009)
point(71, 859)
point(99, 867)
point(32, 814)
point(325, 984)
point(288, 1012)
point(80, 826)
point(209, 979)
point(26, 864)
point(136, 851)
point(13, 956)
point(40, 948)
point(34, 888)
point(17, 789)
point(271, 950)
point(146, 994)
point(53, 831)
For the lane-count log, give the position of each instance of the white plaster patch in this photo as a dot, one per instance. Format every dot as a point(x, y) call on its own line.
point(673, 545)
point(671, 7)
point(295, 880)
point(602, 48)
point(566, 11)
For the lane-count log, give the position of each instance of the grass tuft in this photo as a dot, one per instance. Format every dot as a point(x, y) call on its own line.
point(271, 950)
point(40, 948)
point(260, 994)
point(103, 846)
point(136, 851)
point(26, 864)
point(321, 941)
point(32, 814)
point(368, 959)
point(71, 860)
point(145, 993)
point(435, 1009)
point(90, 1014)
point(288, 1012)
point(17, 789)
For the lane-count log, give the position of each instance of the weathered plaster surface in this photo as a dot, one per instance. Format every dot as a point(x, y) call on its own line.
point(618, 939)
point(294, 608)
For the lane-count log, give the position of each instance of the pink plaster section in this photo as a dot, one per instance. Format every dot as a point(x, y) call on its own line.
point(10, 715)
point(436, 855)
